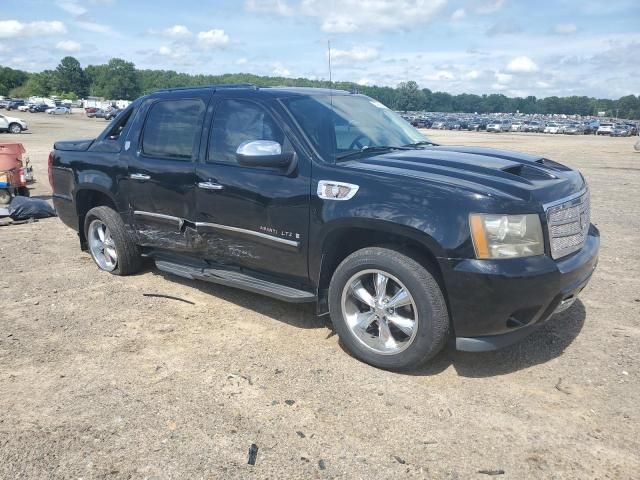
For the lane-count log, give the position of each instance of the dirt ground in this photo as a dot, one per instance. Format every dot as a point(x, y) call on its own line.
point(99, 381)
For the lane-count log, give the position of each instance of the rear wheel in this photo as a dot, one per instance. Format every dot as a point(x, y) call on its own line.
point(388, 309)
point(110, 244)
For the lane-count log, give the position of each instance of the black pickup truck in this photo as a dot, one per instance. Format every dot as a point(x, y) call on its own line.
point(324, 196)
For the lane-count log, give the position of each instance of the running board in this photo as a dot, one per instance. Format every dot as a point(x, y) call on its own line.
point(232, 278)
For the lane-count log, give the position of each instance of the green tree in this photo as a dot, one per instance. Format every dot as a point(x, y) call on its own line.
point(116, 80)
point(410, 97)
point(70, 77)
point(10, 78)
point(441, 102)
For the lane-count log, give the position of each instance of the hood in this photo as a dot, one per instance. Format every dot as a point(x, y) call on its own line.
point(486, 171)
point(14, 119)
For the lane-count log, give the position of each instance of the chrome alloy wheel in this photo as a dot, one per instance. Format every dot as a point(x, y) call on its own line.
point(380, 312)
point(102, 246)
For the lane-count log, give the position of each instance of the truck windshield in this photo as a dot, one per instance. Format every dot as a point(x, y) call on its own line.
point(344, 124)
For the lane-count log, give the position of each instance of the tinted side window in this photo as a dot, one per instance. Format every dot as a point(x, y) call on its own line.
point(172, 128)
point(121, 122)
point(237, 121)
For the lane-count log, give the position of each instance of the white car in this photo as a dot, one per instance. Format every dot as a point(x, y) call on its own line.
point(58, 111)
point(552, 127)
point(517, 127)
point(23, 108)
point(12, 124)
point(605, 128)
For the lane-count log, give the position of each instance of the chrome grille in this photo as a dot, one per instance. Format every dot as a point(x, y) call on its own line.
point(568, 221)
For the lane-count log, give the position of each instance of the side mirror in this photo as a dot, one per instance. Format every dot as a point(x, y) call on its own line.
point(262, 153)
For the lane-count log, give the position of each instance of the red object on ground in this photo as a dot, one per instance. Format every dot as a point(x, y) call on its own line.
point(11, 155)
point(11, 163)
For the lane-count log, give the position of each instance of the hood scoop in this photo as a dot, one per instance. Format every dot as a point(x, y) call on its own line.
point(550, 164)
point(529, 172)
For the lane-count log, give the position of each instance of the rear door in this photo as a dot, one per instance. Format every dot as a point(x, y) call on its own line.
point(161, 157)
point(253, 217)
point(4, 124)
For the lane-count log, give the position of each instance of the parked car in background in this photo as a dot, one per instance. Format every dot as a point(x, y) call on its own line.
point(605, 128)
point(58, 111)
point(3, 104)
point(100, 113)
point(12, 124)
point(534, 127)
point(14, 104)
point(25, 107)
point(39, 108)
point(499, 126)
point(111, 114)
point(552, 127)
point(91, 111)
point(620, 131)
point(573, 129)
point(517, 127)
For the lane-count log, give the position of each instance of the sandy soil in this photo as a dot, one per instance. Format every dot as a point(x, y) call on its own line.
point(99, 381)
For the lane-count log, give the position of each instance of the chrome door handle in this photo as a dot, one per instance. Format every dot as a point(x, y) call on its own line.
point(139, 176)
point(210, 186)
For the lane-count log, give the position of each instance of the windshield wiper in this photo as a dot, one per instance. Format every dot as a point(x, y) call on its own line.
point(421, 143)
point(374, 149)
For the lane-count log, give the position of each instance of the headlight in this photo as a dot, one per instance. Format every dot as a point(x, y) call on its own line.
point(506, 236)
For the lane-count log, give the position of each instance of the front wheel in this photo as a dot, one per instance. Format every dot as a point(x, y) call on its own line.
point(110, 244)
point(15, 128)
point(388, 309)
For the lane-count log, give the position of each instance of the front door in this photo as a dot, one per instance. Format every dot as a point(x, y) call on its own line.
point(161, 170)
point(252, 217)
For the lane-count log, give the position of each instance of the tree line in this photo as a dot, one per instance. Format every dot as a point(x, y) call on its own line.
point(119, 79)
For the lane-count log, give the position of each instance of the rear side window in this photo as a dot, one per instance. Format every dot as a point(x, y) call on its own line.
point(237, 121)
point(172, 129)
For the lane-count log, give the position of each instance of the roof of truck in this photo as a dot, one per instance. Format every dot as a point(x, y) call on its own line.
point(273, 91)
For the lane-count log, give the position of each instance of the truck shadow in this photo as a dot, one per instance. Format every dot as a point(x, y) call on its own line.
point(297, 315)
point(544, 344)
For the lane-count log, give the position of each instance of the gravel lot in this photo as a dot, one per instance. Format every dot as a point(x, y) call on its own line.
point(99, 381)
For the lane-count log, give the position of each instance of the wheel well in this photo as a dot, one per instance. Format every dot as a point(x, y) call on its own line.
point(85, 201)
point(344, 242)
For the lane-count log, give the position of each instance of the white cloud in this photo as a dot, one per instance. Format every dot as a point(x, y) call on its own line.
point(95, 27)
point(71, 7)
point(68, 46)
point(242, 61)
point(441, 76)
point(347, 16)
point(215, 38)
point(565, 28)
point(472, 75)
point(280, 70)
point(16, 29)
point(459, 14)
point(354, 55)
point(176, 31)
point(366, 81)
point(488, 7)
point(522, 65)
point(278, 7)
point(503, 78)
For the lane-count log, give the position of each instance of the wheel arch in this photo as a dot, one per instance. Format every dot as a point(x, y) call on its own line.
point(87, 198)
point(343, 240)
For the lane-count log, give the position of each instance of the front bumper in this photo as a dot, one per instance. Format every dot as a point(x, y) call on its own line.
point(494, 303)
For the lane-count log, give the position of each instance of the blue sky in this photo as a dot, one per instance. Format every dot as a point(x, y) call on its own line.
point(542, 48)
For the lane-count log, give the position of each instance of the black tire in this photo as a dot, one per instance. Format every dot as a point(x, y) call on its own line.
point(432, 315)
point(24, 192)
point(15, 128)
point(129, 260)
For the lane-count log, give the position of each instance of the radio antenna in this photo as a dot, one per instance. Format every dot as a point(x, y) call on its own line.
point(330, 75)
